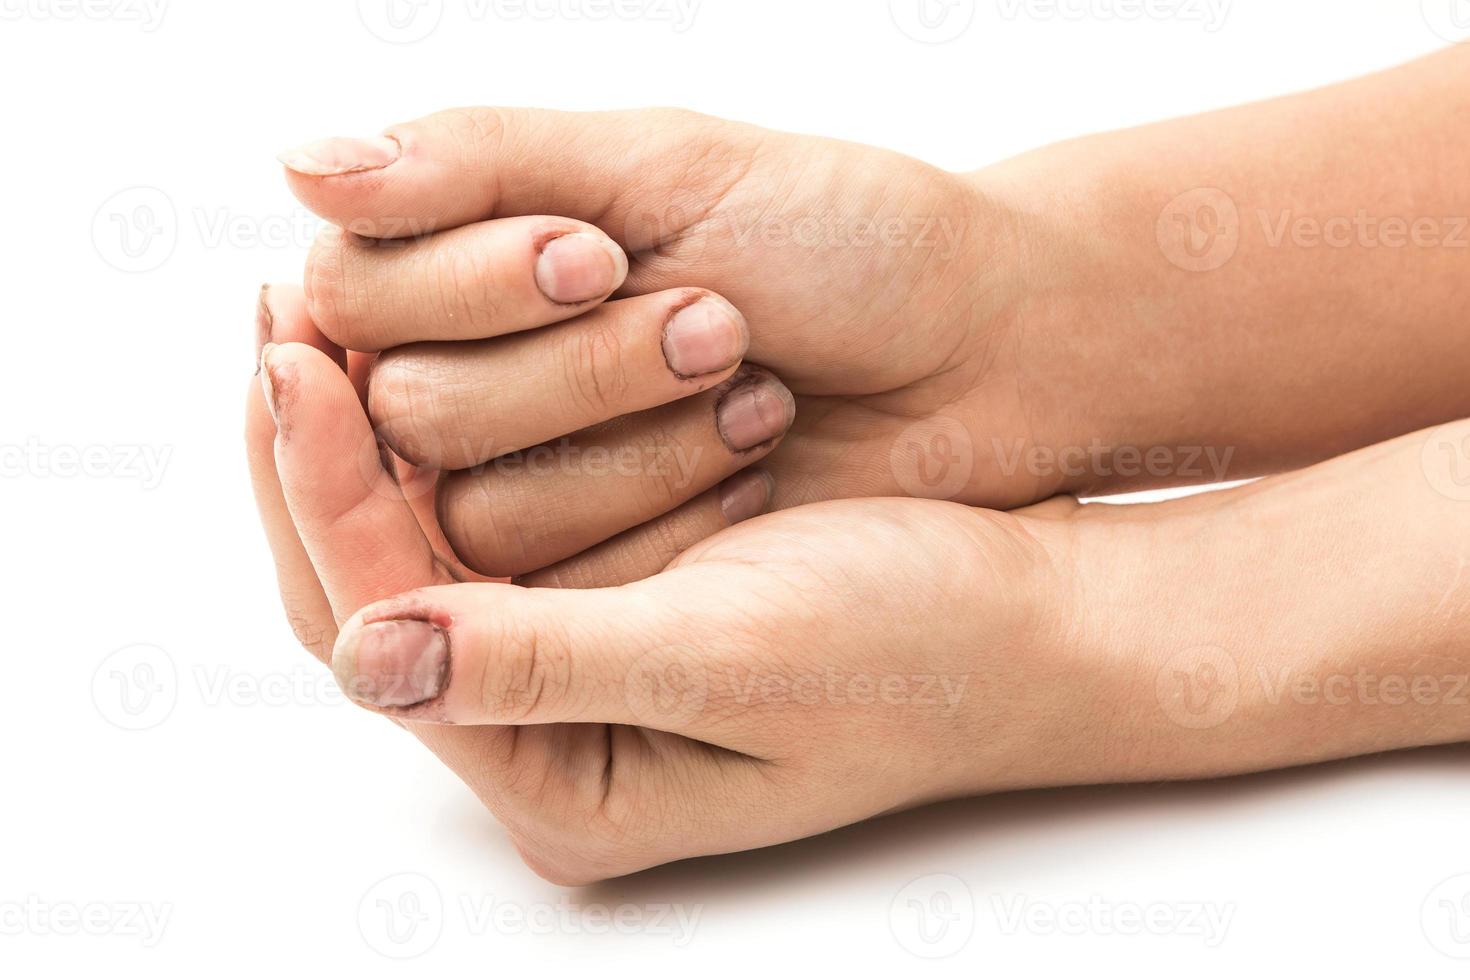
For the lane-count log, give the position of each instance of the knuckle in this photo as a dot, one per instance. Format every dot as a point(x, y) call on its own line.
point(597, 376)
point(472, 131)
point(308, 632)
point(328, 294)
point(403, 404)
point(484, 525)
point(528, 671)
point(466, 289)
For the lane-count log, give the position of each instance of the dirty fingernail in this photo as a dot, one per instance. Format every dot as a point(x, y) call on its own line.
point(341, 155)
point(267, 382)
point(264, 322)
point(579, 267)
point(746, 495)
point(754, 412)
point(703, 338)
point(392, 664)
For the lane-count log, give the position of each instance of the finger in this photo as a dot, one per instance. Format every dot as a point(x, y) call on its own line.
point(454, 406)
point(646, 173)
point(477, 654)
point(281, 315)
point(531, 509)
point(364, 543)
point(362, 537)
point(482, 280)
point(647, 549)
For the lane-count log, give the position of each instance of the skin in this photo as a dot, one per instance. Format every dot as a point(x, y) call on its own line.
point(1080, 640)
point(1045, 322)
point(732, 700)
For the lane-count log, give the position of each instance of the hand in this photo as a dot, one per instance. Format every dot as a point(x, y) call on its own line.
point(1129, 310)
point(734, 700)
point(876, 286)
point(805, 642)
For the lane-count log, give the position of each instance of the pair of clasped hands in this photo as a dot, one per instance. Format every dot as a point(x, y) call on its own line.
point(588, 453)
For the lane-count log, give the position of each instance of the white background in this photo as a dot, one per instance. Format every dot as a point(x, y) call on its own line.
point(260, 815)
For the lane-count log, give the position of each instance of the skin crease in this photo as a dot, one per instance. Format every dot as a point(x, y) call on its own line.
point(993, 651)
point(1035, 326)
point(1033, 301)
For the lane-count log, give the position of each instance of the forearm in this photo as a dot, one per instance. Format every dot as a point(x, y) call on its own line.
point(1313, 616)
point(1334, 321)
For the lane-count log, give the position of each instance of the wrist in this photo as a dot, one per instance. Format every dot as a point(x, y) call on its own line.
point(1302, 619)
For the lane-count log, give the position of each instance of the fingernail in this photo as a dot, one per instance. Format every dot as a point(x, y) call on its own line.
point(341, 155)
point(579, 267)
point(754, 412)
point(268, 382)
point(703, 338)
point(392, 664)
point(264, 321)
point(746, 495)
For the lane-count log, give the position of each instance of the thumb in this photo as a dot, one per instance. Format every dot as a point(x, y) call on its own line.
point(493, 654)
point(642, 176)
